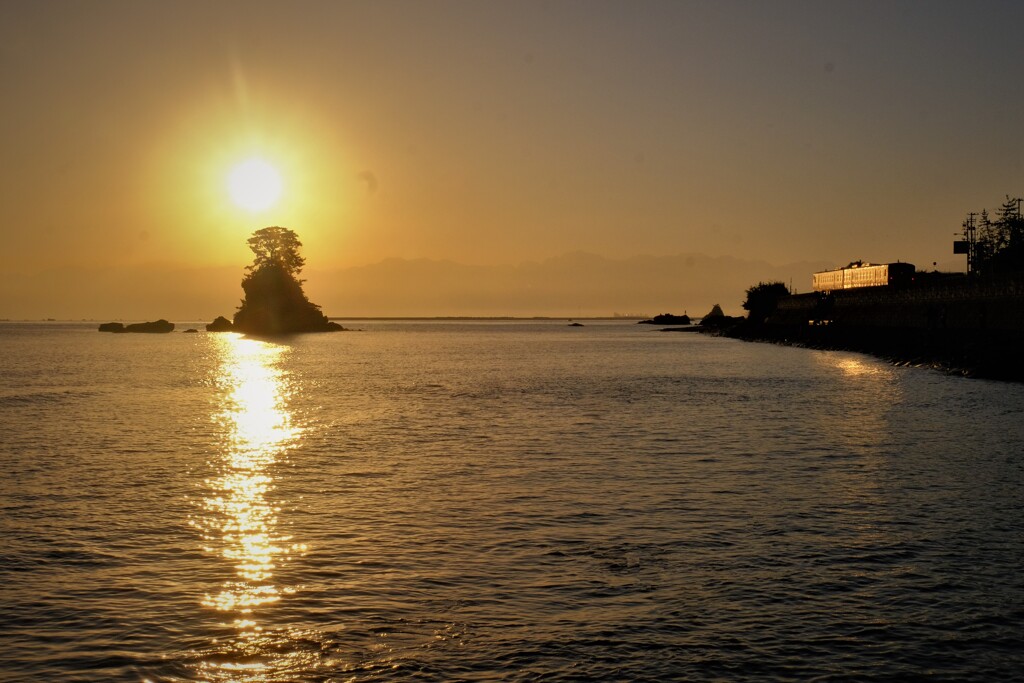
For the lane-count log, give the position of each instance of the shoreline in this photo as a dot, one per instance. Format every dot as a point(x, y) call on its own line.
point(973, 354)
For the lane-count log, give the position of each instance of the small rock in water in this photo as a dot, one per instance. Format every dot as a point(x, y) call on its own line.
point(220, 324)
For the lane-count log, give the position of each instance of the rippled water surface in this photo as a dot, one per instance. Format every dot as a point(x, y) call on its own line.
point(500, 501)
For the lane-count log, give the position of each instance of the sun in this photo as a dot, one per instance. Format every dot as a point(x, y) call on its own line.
point(254, 185)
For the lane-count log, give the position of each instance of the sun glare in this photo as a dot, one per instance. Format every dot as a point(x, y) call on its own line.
point(254, 185)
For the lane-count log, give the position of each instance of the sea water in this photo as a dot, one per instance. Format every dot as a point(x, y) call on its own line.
point(500, 500)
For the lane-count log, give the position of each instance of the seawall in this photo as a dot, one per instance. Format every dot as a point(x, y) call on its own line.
point(971, 326)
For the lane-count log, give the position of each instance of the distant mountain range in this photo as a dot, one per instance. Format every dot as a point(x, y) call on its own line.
point(576, 284)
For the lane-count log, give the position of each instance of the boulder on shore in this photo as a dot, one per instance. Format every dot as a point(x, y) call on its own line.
point(220, 324)
point(155, 327)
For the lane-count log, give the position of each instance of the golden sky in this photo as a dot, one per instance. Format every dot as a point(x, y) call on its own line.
point(497, 133)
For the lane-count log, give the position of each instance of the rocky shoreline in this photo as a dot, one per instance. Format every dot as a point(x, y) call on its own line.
point(967, 353)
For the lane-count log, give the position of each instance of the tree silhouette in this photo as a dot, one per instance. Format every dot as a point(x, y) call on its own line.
point(762, 300)
point(1000, 245)
point(274, 302)
point(276, 246)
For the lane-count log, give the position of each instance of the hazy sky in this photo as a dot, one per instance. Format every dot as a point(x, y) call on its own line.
point(493, 133)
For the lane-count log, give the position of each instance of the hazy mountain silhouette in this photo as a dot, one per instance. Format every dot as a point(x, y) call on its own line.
point(120, 293)
point(573, 284)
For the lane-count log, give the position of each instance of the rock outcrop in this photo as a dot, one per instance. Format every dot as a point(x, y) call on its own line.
point(155, 327)
point(220, 324)
point(667, 319)
point(718, 320)
point(275, 304)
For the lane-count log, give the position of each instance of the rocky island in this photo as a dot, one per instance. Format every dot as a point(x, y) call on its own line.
point(667, 319)
point(155, 327)
point(274, 302)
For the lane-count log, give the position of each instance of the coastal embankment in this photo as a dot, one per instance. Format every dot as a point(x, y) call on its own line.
point(964, 325)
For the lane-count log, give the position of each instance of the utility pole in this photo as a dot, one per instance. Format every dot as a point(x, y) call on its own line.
point(968, 245)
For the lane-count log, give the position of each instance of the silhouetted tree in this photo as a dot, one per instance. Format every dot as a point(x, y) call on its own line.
point(277, 246)
point(763, 299)
point(1000, 243)
point(985, 243)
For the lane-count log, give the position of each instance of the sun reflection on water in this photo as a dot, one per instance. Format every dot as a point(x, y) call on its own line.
point(239, 520)
point(858, 393)
point(856, 366)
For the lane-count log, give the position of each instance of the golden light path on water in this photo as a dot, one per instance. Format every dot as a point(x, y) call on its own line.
point(240, 517)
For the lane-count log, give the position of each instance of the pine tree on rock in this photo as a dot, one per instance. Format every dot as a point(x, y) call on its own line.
point(274, 302)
